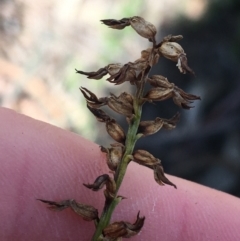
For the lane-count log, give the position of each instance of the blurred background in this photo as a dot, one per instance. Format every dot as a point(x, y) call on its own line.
point(43, 41)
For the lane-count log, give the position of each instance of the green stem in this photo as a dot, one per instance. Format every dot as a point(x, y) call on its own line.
point(121, 170)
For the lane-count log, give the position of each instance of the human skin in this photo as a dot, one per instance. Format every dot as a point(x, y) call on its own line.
point(39, 160)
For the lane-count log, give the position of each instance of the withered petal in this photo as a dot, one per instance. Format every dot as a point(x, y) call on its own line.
point(98, 183)
point(94, 75)
point(169, 124)
point(92, 100)
point(183, 65)
point(116, 24)
point(87, 212)
point(159, 176)
point(99, 114)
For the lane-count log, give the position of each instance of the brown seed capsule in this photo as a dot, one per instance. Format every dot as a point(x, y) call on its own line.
point(115, 131)
point(121, 105)
point(171, 50)
point(87, 212)
point(145, 158)
point(150, 127)
point(159, 176)
point(160, 81)
point(123, 229)
point(158, 94)
point(143, 28)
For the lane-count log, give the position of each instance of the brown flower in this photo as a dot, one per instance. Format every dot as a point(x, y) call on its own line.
point(92, 99)
point(124, 229)
point(159, 176)
point(87, 212)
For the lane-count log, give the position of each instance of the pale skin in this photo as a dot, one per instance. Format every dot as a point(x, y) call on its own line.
point(42, 161)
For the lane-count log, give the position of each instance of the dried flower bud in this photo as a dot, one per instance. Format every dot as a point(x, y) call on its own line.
point(143, 28)
point(171, 50)
point(122, 104)
point(98, 183)
point(99, 114)
point(158, 94)
point(160, 81)
point(145, 158)
point(116, 24)
point(123, 229)
point(94, 75)
point(92, 99)
point(115, 131)
point(150, 127)
point(159, 176)
point(183, 65)
point(87, 212)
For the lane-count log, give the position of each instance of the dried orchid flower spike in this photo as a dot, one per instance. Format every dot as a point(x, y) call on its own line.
point(121, 152)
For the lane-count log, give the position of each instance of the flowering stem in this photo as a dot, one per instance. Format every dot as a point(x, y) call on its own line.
point(122, 168)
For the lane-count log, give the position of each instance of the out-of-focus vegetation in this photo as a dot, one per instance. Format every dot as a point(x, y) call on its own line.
point(42, 42)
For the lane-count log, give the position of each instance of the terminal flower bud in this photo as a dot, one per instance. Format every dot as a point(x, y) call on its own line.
point(143, 28)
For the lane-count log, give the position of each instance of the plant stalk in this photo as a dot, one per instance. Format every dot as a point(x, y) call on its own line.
point(122, 168)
